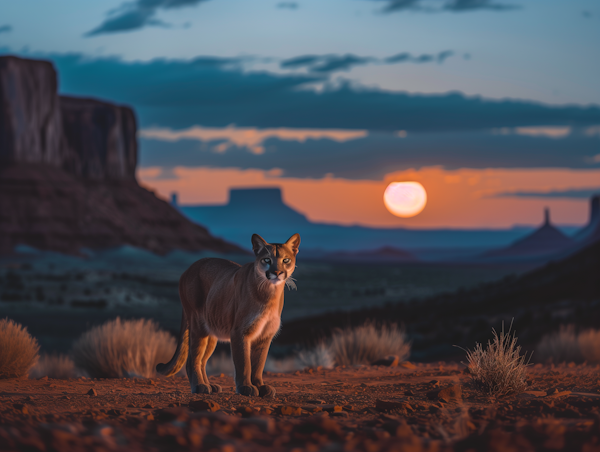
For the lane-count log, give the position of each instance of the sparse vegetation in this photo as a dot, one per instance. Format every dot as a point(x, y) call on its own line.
point(368, 343)
point(499, 369)
point(560, 347)
point(18, 350)
point(320, 356)
point(55, 366)
point(569, 346)
point(123, 348)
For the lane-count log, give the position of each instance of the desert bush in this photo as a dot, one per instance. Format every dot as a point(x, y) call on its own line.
point(55, 366)
point(499, 369)
point(560, 347)
point(123, 348)
point(569, 346)
point(219, 364)
point(18, 350)
point(320, 356)
point(368, 343)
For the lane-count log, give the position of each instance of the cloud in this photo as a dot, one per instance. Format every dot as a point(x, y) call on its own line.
point(372, 155)
point(287, 5)
point(448, 5)
point(250, 138)
point(576, 193)
point(216, 92)
point(332, 62)
point(138, 14)
point(5, 28)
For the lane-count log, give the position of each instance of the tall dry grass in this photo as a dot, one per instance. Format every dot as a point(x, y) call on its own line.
point(319, 356)
point(123, 348)
point(368, 343)
point(18, 350)
point(499, 369)
point(569, 346)
point(55, 366)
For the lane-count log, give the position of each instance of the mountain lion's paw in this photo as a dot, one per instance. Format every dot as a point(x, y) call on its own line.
point(202, 389)
point(266, 391)
point(250, 391)
point(216, 389)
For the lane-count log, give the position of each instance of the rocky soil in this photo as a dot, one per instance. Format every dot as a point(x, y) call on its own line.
point(409, 407)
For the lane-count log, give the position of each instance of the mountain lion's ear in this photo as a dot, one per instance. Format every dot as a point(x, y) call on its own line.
point(258, 243)
point(294, 242)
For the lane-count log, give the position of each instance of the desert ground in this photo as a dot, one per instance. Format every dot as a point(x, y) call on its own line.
point(408, 407)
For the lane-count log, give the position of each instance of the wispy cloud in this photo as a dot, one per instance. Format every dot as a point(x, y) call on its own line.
point(138, 14)
point(5, 28)
point(332, 62)
point(576, 193)
point(445, 5)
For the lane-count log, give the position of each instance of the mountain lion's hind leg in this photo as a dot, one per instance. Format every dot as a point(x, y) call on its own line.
point(198, 344)
point(260, 350)
point(210, 348)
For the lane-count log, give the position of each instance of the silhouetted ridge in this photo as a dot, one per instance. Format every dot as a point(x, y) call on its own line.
point(543, 241)
point(591, 232)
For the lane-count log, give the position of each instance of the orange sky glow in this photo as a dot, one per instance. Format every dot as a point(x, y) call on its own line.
point(462, 198)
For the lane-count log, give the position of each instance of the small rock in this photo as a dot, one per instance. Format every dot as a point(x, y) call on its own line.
point(150, 417)
point(312, 408)
point(148, 406)
point(247, 411)
point(339, 414)
point(434, 383)
point(290, 410)
point(332, 408)
point(448, 394)
point(434, 409)
point(20, 407)
point(349, 408)
point(391, 405)
point(116, 412)
point(316, 401)
point(408, 365)
point(44, 378)
point(389, 361)
point(92, 392)
point(555, 393)
point(204, 405)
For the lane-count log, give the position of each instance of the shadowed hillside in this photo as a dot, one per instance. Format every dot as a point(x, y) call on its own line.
point(539, 301)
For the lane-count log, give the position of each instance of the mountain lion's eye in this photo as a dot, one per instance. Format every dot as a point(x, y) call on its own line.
point(267, 261)
point(287, 260)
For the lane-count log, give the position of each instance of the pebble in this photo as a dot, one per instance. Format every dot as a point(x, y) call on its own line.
point(389, 361)
point(92, 392)
point(204, 405)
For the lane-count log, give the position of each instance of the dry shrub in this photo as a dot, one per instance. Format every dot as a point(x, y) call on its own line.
point(18, 350)
point(123, 348)
point(368, 343)
point(219, 364)
point(320, 356)
point(500, 369)
point(55, 366)
point(569, 346)
point(560, 347)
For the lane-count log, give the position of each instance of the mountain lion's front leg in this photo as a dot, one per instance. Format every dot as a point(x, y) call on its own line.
point(240, 352)
point(260, 350)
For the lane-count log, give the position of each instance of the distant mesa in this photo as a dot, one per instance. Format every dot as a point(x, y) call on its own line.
point(263, 211)
point(547, 240)
point(591, 232)
point(67, 173)
point(386, 254)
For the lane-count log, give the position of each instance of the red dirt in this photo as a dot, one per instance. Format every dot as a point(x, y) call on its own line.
point(367, 409)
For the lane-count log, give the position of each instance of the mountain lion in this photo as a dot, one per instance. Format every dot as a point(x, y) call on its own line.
point(223, 301)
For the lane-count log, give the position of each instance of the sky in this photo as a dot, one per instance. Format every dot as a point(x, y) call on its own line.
point(492, 105)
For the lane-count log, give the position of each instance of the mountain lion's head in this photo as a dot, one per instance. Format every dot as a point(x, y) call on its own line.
point(275, 262)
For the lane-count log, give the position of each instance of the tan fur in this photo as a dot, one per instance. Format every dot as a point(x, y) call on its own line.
point(223, 301)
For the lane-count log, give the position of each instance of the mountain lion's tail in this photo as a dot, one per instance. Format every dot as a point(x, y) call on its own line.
point(178, 359)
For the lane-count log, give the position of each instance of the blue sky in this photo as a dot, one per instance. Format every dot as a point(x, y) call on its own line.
point(348, 89)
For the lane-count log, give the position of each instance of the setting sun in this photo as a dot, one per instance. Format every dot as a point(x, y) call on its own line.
point(405, 199)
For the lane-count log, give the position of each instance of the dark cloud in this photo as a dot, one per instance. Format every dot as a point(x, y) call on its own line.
point(138, 14)
point(5, 28)
point(449, 5)
point(575, 193)
point(381, 153)
point(331, 63)
point(218, 92)
point(287, 5)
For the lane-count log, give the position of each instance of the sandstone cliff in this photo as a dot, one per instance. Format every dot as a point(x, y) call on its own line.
point(67, 173)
